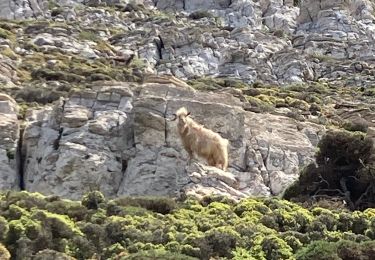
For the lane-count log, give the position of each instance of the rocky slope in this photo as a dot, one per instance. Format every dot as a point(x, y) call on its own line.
point(268, 75)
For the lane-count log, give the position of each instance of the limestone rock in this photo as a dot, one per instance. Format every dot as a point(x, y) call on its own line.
point(90, 142)
point(9, 138)
point(75, 147)
point(270, 41)
point(11, 9)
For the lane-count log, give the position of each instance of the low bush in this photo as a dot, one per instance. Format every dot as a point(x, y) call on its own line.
point(161, 205)
point(161, 228)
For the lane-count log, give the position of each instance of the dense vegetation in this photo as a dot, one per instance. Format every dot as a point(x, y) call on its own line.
point(344, 169)
point(161, 228)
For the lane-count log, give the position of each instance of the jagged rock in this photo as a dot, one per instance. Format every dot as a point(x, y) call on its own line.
point(338, 23)
point(11, 9)
point(279, 181)
point(274, 41)
point(9, 137)
point(206, 180)
point(192, 5)
point(276, 144)
point(136, 151)
point(280, 15)
point(69, 151)
point(7, 73)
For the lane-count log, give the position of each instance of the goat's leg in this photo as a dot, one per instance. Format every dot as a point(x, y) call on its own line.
point(191, 156)
point(219, 164)
point(211, 161)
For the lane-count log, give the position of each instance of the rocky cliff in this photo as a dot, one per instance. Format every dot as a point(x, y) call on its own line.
point(87, 114)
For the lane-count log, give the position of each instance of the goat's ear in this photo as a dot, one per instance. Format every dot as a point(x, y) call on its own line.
point(188, 114)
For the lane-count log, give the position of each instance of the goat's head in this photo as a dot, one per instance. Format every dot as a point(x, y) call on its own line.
point(181, 114)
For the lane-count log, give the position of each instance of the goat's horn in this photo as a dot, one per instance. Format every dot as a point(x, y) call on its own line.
point(174, 118)
point(188, 114)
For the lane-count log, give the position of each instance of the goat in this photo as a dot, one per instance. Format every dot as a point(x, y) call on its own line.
point(201, 141)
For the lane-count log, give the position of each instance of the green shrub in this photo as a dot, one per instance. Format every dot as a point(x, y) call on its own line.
point(293, 242)
point(326, 217)
point(92, 199)
point(353, 250)
point(61, 225)
point(161, 205)
point(345, 221)
point(242, 254)
point(276, 248)
point(212, 228)
point(207, 200)
point(16, 231)
point(48, 254)
point(26, 200)
point(159, 254)
point(82, 248)
point(360, 222)
point(344, 169)
point(360, 125)
point(343, 148)
point(95, 234)
point(319, 250)
point(249, 205)
point(270, 221)
point(114, 250)
point(114, 230)
point(3, 228)
point(16, 212)
point(220, 242)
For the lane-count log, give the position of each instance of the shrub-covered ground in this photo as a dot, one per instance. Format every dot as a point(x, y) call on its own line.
point(161, 228)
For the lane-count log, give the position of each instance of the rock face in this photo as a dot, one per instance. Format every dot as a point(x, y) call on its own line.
point(338, 33)
point(22, 9)
point(77, 145)
point(117, 140)
point(9, 137)
point(270, 41)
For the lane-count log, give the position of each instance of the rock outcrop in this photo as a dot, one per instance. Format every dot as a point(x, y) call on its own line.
point(9, 138)
point(116, 139)
point(269, 41)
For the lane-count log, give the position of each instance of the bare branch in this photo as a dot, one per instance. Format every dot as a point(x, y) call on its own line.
point(359, 200)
